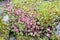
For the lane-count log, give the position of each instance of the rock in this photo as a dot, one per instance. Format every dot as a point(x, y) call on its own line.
point(3, 3)
point(57, 32)
point(6, 19)
point(58, 26)
point(1, 11)
point(12, 38)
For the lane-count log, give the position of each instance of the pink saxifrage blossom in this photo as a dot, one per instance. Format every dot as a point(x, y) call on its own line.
point(47, 34)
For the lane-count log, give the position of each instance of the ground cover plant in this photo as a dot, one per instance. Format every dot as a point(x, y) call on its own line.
point(32, 19)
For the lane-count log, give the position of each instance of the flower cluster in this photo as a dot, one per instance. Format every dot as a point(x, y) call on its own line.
point(32, 23)
point(37, 30)
point(9, 6)
point(32, 26)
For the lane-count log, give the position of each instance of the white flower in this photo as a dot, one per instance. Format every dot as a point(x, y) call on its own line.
point(6, 18)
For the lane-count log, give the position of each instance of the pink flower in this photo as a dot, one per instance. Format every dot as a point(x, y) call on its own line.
point(16, 29)
point(24, 19)
point(14, 26)
point(8, 3)
point(34, 23)
point(27, 22)
point(8, 0)
point(30, 23)
point(28, 26)
point(9, 9)
point(37, 26)
point(32, 29)
point(47, 34)
point(48, 29)
point(32, 18)
point(39, 32)
point(18, 12)
point(33, 26)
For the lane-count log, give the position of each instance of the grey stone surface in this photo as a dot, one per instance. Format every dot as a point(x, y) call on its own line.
point(58, 26)
point(1, 11)
point(2, 3)
point(57, 32)
point(12, 38)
